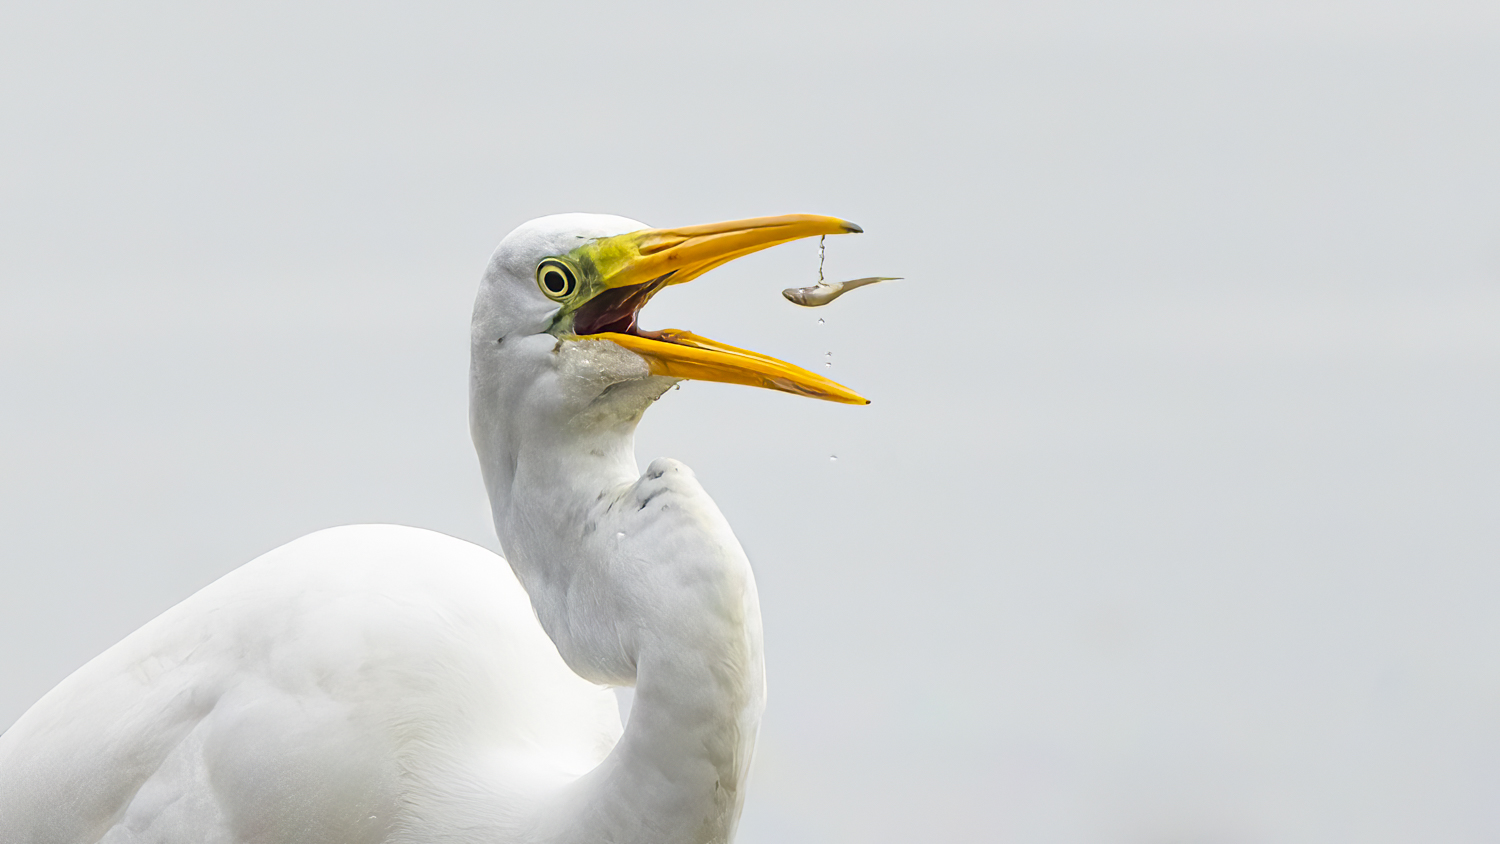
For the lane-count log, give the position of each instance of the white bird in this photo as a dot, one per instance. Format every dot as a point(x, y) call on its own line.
point(388, 684)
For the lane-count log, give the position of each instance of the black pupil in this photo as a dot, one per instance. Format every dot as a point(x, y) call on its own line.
point(556, 282)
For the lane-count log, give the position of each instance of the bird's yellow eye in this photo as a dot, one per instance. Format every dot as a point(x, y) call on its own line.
point(556, 279)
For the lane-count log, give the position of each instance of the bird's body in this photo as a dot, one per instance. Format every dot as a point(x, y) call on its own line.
point(260, 690)
point(388, 685)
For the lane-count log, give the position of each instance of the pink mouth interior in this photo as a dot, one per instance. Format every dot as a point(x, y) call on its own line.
point(615, 309)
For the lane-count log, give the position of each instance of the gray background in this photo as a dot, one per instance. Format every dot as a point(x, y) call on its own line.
point(1175, 516)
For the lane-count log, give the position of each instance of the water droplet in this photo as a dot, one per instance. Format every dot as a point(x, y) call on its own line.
point(833, 458)
point(620, 535)
point(820, 320)
point(829, 363)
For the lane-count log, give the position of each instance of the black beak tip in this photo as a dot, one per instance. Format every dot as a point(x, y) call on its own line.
point(852, 228)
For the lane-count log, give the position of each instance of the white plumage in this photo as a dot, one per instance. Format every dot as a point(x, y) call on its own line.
point(378, 684)
point(350, 680)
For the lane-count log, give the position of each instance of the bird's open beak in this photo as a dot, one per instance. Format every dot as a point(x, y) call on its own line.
point(628, 269)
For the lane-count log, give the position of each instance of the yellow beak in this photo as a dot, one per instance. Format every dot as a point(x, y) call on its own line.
point(673, 256)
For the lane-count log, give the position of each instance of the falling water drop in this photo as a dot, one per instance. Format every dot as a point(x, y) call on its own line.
point(833, 458)
point(820, 320)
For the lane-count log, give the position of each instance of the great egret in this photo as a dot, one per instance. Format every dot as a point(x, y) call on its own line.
point(388, 684)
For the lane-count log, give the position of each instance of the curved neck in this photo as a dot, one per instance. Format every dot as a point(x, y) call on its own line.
point(639, 582)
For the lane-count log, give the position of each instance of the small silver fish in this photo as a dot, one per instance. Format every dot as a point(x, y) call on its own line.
point(824, 292)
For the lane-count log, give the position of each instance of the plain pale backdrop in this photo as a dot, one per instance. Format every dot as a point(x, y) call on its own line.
point(1175, 519)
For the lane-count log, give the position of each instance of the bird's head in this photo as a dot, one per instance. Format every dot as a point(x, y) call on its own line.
point(561, 297)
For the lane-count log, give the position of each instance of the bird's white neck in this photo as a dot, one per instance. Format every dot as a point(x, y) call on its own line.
point(639, 582)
